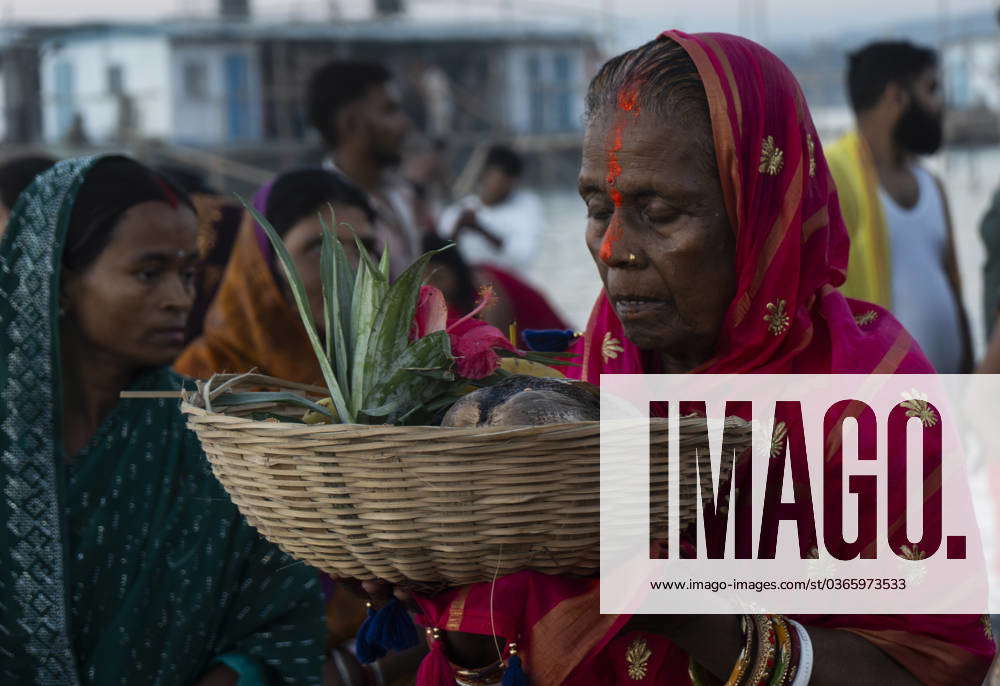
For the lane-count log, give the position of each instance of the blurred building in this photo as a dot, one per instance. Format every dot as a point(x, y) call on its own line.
point(971, 66)
point(20, 85)
point(150, 81)
point(237, 83)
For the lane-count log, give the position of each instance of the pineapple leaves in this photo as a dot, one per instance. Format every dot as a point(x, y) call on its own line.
point(372, 370)
point(392, 324)
point(419, 374)
point(363, 312)
point(302, 302)
point(338, 287)
point(249, 399)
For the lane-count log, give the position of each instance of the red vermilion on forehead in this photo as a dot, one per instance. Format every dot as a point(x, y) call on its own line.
point(167, 191)
point(627, 104)
point(628, 99)
point(614, 169)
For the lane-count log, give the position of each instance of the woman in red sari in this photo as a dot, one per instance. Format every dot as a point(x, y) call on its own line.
point(715, 226)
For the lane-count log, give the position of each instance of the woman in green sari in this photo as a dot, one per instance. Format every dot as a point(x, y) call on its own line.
point(122, 560)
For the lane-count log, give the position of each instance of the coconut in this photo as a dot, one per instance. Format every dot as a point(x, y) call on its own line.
point(522, 400)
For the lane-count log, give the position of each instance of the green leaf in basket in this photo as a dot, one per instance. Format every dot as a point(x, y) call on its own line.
point(382, 410)
point(266, 397)
point(383, 266)
point(433, 373)
point(345, 291)
point(366, 257)
point(327, 273)
point(407, 383)
point(302, 302)
point(392, 324)
point(364, 307)
point(445, 400)
point(338, 287)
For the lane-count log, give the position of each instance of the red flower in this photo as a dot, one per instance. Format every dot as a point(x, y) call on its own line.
point(431, 314)
point(473, 341)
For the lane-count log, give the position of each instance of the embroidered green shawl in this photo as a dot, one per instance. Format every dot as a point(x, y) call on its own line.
point(129, 565)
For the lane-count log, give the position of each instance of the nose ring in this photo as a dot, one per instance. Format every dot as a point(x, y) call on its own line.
point(632, 258)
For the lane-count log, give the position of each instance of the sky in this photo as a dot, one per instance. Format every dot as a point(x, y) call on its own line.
point(786, 20)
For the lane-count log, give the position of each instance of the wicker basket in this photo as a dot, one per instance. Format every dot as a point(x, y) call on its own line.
point(425, 506)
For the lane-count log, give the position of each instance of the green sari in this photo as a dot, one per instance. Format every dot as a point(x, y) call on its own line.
point(129, 564)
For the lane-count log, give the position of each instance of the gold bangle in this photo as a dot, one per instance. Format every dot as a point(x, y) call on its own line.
point(486, 676)
point(764, 663)
point(783, 660)
point(796, 651)
point(742, 665)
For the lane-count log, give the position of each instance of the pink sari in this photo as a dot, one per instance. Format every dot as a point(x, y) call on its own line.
point(786, 317)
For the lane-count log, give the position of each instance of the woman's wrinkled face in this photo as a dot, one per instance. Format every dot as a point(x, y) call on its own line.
point(304, 242)
point(132, 302)
point(658, 231)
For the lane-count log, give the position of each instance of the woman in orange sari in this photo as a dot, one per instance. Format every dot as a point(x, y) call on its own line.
point(715, 227)
point(253, 322)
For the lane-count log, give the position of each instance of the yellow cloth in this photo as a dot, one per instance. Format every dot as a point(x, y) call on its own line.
point(869, 268)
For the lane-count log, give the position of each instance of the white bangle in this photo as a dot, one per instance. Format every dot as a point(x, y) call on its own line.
point(805, 654)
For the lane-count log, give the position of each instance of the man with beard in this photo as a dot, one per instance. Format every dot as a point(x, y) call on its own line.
point(355, 106)
point(902, 251)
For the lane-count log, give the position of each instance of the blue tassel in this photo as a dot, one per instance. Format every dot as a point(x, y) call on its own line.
point(364, 647)
point(514, 674)
point(393, 628)
point(548, 340)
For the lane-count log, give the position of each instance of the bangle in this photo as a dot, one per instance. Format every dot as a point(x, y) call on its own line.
point(805, 654)
point(742, 666)
point(783, 660)
point(764, 664)
point(793, 668)
point(697, 674)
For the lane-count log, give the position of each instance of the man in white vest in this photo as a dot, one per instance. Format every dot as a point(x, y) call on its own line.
point(902, 250)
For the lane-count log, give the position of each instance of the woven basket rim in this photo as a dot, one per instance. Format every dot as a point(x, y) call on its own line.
point(234, 420)
point(190, 407)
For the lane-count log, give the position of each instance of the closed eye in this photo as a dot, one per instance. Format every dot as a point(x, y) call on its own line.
point(600, 209)
point(660, 218)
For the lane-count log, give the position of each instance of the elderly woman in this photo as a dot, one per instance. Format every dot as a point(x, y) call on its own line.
point(122, 560)
point(714, 224)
